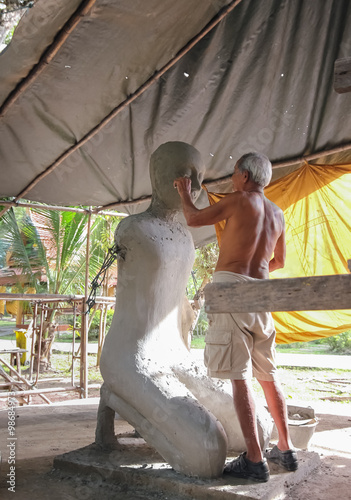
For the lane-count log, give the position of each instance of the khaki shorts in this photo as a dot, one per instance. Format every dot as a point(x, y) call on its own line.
point(242, 344)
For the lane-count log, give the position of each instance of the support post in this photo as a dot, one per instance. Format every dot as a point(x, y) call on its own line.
point(85, 322)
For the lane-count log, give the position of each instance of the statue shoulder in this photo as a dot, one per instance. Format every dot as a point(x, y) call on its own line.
point(127, 227)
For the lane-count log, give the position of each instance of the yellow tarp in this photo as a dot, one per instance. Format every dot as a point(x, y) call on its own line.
point(2, 302)
point(316, 201)
point(15, 307)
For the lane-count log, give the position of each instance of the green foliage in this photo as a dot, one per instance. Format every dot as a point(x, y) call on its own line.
point(340, 343)
point(49, 248)
point(93, 333)
point(94, 328)
point(205, 260)
point(54, 245)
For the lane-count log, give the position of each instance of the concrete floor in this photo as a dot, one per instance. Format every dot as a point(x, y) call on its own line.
point(137, 472)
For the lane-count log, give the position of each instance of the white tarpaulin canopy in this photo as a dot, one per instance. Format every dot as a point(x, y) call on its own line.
point(85, 95)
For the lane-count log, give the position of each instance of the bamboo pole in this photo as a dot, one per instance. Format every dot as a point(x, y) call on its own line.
point(22, 380)
point(42, 297)
point(85, 322)
point(287, 163)
point(154, 78)
point(224, 180)
point(32, 349)
point(58, 208)
point(39, 339)
point(45, 391)
point(39, 391)
point(216, 182)
point(49, 54)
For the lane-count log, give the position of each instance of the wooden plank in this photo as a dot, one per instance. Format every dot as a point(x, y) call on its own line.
point(342, 75)
point(288, 294)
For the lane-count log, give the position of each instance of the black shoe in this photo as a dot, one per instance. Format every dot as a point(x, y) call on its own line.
point(287, 459)
point(243, 467)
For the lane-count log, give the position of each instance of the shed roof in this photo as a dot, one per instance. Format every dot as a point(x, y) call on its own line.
point(89, 89)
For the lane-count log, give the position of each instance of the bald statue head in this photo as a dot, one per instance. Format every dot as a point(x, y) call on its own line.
point(170, 161)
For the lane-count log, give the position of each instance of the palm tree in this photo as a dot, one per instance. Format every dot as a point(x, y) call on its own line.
point(49, 248)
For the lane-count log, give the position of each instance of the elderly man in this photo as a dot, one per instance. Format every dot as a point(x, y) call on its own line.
point(252, 245)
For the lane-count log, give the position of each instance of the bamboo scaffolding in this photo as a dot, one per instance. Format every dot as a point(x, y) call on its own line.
point(45, 391)
point(39, 301)
point(21, 380)
point(154, 78)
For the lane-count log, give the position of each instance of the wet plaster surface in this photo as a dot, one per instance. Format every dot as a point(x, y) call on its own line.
point(55, 459)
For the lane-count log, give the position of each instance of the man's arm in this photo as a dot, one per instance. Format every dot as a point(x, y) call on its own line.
point(278, 260)
point(206, 216)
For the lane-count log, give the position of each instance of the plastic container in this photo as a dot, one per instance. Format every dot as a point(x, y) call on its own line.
point(21, 342)
point(302, 423)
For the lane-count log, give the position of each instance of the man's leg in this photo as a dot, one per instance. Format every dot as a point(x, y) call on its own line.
point(277, 407)
point(246, 411)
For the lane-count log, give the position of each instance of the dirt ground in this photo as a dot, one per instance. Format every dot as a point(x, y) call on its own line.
point(44, 432)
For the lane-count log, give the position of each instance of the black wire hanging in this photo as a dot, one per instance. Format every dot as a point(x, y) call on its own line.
point(111, 256)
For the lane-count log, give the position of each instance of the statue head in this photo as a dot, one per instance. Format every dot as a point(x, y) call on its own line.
point(169, 161)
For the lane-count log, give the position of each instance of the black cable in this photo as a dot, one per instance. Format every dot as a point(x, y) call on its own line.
point(111, 256)
point(28, 6)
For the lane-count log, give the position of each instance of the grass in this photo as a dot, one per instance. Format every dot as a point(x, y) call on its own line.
point(306, 385)
point(304, 348)
point(8, 323)
point(309, 385)
point(198, 342)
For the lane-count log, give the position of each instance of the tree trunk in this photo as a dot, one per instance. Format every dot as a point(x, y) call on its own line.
point(45, 348)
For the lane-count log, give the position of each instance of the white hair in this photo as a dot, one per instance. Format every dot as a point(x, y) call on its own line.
point(258, 166)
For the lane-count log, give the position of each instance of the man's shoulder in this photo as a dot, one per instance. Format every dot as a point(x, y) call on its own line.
point(274, 206)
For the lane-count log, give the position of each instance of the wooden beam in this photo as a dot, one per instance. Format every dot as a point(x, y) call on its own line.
point(288, 294)
point(280, 164)
point(342, 75)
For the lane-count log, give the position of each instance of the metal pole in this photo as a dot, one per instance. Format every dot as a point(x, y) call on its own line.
point(34, 333)
point(74, 340)
point(85, 322)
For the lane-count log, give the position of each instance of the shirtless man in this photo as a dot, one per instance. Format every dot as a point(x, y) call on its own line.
point(252, 245)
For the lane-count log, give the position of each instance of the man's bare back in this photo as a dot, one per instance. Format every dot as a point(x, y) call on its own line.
point(251, 234)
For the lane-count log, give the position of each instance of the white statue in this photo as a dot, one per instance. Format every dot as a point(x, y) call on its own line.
point(149, 378)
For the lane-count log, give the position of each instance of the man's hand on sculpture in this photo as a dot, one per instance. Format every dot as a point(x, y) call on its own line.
point(183, 185)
